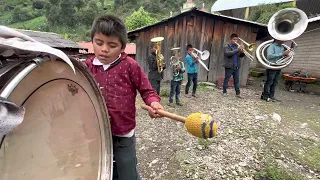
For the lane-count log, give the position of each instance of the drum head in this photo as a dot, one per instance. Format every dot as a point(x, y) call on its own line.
point(65, 134)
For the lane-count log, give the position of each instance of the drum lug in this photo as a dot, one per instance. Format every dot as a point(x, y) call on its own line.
point(40, 61)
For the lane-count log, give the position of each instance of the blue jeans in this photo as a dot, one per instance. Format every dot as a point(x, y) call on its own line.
point(194, 78)
point(228, 74)
point(175, 90)
point(273, 77)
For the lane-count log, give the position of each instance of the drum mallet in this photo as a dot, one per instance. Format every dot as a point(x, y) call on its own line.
point(198, 124)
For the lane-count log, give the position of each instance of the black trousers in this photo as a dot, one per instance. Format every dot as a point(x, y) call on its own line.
point(272, 80)
point(194, 78)
point(155, 85)
point(124, 154)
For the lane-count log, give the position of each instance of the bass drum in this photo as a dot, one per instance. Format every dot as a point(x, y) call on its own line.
point(65, 134)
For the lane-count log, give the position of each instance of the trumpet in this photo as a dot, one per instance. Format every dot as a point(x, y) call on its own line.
point(250, 47)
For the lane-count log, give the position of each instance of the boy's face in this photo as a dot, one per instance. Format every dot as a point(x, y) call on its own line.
point(154, 49)
point(234, 40)
point(190, 50)
point(106, 48)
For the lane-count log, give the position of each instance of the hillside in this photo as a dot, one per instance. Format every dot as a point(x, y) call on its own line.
point(73, 18)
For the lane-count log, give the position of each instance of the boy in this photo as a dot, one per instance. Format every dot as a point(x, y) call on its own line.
point(177, 77)
point(119, 78)
point(154, 76)
point(232, 55)
point(192, 66)
point(274, 52)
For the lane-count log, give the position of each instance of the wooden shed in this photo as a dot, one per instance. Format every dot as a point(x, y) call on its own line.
point(204, 31)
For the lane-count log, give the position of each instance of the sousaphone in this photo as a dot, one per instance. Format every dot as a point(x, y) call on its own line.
point(285, 25)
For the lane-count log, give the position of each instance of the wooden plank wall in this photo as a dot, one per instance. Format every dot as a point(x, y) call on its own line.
point(204, 33)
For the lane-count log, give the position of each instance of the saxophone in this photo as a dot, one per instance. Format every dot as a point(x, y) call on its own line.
point(159, 56)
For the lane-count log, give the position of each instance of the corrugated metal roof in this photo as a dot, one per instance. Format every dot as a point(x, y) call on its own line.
point(314, 19)
point(221, 5)
point(50, 39)
point(130, 48)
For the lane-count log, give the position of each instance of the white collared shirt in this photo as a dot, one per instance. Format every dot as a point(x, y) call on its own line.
point(97, 62)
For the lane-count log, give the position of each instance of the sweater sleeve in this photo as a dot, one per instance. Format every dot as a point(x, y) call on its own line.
point(140, 82)
point(228, 52)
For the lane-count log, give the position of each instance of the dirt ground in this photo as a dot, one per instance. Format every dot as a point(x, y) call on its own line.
point(251, 137)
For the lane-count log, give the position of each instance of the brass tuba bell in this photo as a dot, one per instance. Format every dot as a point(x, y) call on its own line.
point(159, 56)
point(284, 25)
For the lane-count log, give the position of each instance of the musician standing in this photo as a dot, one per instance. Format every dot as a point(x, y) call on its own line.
point(154, 75)
point(120, 77)
point(275, 52)
point(177, 76)
point(192, 70)
point(232, 55)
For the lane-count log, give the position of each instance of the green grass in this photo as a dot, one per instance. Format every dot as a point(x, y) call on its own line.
point(272, 171)
point(5, 18)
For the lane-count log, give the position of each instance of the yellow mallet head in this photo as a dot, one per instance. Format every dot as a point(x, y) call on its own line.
point(201, 125)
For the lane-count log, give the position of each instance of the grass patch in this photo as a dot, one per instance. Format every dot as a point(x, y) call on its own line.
point(165, 92)
point(205, 143)
point(273, 171)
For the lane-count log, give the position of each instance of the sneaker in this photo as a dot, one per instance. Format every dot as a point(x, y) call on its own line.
point(275, 99)
point(268, 99)
point(224, 94)
point(187, 96)
point(194, 95)
point(179, 104)
point(170, 104)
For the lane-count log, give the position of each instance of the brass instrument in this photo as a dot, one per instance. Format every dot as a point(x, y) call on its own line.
point(159, 56)
point(250, 47)
point(174, 61)
point(285, 25)
point(204, 55)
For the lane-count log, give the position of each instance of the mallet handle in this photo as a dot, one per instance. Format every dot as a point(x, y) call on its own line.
point(166, 114)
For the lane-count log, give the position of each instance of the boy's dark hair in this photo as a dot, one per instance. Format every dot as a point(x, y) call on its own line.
point(110, 25)
point(189, 46)
point(233, 36)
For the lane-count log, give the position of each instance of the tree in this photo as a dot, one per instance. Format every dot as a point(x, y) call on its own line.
point(264, 12)
point(139, 19)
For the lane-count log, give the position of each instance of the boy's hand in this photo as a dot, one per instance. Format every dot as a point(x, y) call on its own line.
point(153, 110)
point(178, 68)
point(286, 52)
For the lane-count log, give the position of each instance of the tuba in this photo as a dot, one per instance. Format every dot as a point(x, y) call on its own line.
point(159, 56)
point(285, 25)
point(174, 61)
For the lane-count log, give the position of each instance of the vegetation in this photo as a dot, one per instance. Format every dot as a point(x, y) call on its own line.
point(73, 18)
point(264, 12)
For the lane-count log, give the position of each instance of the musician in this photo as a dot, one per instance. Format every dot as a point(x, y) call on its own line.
point(274, 52)
point(119, 77)
point(177, 67)
point(232, 55)
point(154, 75)
point(192, 70)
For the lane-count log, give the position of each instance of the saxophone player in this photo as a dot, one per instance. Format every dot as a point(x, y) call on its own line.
point(177, 76)
point(154, 75)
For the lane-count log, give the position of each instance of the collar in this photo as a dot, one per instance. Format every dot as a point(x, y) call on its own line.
point(96, 62)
